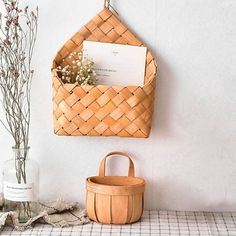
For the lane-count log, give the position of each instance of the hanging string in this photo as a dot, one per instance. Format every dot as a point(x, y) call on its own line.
point(108, 5)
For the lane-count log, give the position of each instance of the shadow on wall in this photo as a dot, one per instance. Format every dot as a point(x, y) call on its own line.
point(165, 93)
point(172, 193)
point(161, 127)
point(167, 191)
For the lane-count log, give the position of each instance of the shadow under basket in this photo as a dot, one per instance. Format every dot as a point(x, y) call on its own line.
point(103, 110)
point(115, 199)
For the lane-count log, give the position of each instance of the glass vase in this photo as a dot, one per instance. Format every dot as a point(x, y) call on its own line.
point(21, 185)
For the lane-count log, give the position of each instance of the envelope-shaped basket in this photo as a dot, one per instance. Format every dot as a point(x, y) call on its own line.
point(115, 199)
point(103, 110)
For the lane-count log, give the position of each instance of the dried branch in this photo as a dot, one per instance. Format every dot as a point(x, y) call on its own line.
point(18, 31)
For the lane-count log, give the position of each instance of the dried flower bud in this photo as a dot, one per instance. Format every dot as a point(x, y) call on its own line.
point(26, 9)
point(78, 71)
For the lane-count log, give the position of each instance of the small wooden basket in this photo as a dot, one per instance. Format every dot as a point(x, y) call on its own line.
point(115, 199)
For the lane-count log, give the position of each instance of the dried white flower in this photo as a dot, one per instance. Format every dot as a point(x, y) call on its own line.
point(79, 70)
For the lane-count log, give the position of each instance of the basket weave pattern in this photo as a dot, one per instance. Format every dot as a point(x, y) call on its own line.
point(103, 110)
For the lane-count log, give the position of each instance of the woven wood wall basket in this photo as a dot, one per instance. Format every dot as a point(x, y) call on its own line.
point(103, 110)
point(115, 199)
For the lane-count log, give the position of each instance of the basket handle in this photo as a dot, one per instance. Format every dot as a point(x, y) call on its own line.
point(102, 168)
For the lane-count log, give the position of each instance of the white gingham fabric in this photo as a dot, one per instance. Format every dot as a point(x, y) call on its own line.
point(166, 223)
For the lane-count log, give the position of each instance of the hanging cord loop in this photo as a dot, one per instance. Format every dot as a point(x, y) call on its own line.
point(107, 4)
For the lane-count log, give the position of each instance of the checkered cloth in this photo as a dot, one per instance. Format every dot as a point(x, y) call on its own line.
point(153, 223)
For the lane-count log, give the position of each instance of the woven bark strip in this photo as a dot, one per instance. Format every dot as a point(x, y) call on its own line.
point(103, 110)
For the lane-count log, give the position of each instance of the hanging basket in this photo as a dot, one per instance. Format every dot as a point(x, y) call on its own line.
point(103, 110)
point(115, 199)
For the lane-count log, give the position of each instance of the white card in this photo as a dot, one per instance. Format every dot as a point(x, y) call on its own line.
point(117, 64)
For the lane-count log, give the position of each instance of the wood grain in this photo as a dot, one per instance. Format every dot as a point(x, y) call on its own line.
point(115, 199)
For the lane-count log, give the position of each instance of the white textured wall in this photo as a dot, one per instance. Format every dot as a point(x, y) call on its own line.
point(189, 159)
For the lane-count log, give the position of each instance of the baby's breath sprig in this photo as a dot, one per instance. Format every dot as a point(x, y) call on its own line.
point(78, 70)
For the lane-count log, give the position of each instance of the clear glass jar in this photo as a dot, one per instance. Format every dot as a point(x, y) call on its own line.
point(21, 185)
